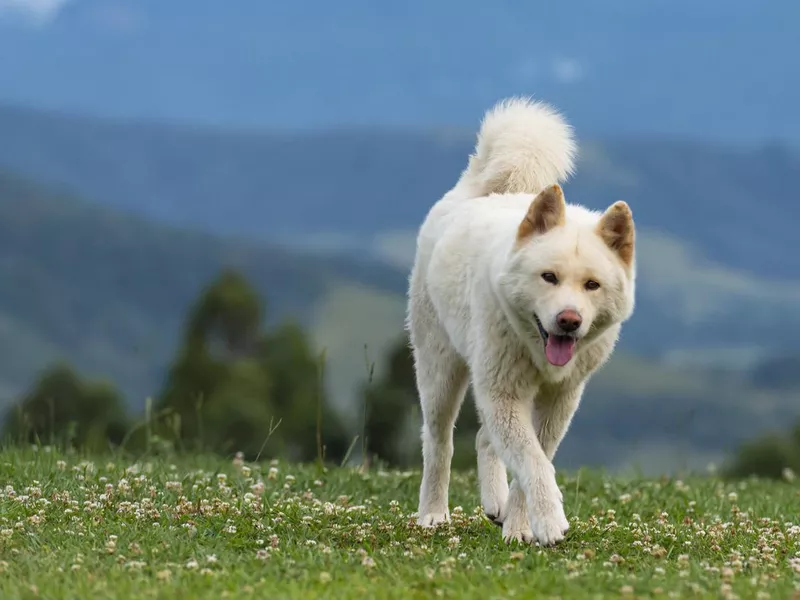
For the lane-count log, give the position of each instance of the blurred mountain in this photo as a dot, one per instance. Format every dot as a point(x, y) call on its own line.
point(109, 291)
point(715, 223)
point(720, 69)
point(339, 188)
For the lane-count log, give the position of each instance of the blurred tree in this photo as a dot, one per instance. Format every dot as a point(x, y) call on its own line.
point(236, 387)
point(237, 415)
point(298, 395)
point(768, 456)
point(392, 419)
point(388, 406)
point(227, 318)
point(222, 327)
point(62, 408)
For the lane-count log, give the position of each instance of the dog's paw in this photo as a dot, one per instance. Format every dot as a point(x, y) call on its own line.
point(518, 531)
point(493, 511)
point(516, 526)
point(433, 519)
point(495, 520)
point(493, 500)
point(550, 528)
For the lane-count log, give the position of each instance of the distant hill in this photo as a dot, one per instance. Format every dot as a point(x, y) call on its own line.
point(716, 224)
point(351, 186)
point(109, 291)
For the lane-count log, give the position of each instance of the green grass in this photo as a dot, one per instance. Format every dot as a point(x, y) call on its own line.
point(203, 527)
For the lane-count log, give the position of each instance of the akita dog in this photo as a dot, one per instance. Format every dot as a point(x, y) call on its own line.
point(523, 295)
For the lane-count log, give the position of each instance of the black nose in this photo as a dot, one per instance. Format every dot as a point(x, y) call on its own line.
point(569, 320)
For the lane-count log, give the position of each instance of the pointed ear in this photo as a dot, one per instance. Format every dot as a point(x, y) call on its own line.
point(547, 210)
point(618, 232)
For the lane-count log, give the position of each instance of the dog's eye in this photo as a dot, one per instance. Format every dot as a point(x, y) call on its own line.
point(550, 277)
point(591, 285)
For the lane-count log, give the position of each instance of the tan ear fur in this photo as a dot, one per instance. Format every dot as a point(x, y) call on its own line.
point(618, 232)
point(548, 210)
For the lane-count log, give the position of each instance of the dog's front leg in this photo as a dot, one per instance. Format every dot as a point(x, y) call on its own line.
point(507, 411)
point(552, 416)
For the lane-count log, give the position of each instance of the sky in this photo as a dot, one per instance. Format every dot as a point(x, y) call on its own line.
point(717, 70)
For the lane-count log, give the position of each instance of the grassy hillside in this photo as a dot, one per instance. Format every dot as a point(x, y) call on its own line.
point(109, 291)
point(202, 528)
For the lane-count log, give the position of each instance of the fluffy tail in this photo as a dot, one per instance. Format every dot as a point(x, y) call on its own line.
point(523, 146)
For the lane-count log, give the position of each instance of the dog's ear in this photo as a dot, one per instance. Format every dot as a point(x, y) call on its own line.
point(547, 210)
point(617, 230)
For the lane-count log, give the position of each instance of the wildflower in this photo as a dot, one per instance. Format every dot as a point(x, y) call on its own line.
point(368, 562)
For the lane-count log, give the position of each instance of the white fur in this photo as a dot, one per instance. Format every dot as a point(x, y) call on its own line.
point(473, 290)
point(523, 146)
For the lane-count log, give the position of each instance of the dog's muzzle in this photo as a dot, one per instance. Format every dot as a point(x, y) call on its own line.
point(542, 330)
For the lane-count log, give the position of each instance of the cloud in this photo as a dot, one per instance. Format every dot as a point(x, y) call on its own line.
point(567, 70)
point(36, 11)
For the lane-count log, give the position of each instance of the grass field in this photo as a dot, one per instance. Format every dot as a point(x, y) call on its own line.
point(202, 527)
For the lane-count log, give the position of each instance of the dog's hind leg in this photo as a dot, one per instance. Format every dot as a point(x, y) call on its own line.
point(442, 378)
point(491, 476)
point(441, 382)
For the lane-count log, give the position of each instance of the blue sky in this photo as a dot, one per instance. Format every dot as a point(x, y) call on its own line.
point(716, 70)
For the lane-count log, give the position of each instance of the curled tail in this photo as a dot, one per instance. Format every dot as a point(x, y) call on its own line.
point(523, 146)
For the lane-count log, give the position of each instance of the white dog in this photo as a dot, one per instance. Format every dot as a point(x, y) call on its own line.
point(524, 296)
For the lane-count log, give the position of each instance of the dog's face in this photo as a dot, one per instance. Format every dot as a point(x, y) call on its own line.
point(571, 278)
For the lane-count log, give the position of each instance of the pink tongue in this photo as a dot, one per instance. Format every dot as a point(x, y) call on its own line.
point(559, 349)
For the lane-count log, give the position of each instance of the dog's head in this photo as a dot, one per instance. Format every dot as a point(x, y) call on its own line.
point(571, 272)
